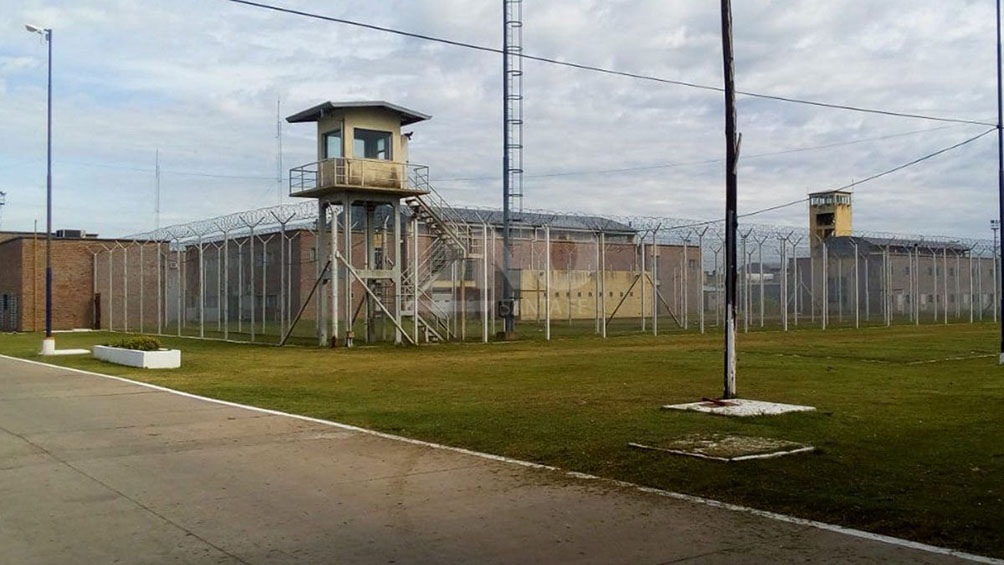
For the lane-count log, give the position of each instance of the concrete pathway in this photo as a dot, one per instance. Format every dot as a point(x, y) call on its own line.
point(99, 470)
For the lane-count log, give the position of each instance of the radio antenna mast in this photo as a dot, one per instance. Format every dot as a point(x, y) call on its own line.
point(278, 154)
point(156, 206)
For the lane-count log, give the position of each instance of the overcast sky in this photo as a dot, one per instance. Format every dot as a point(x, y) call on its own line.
point(199, 80)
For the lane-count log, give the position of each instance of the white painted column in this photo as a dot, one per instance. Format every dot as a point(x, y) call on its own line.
point(485, 303)
point(547, 283)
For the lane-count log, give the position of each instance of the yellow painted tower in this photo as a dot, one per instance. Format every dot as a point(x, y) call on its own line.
point(829, 215)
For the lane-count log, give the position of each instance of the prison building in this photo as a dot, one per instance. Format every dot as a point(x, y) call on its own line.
point(894, 277)
point(593, 265)
point(77, 301)
point(265, 280)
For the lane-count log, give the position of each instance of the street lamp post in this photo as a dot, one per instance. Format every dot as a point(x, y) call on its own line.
point(49, 343)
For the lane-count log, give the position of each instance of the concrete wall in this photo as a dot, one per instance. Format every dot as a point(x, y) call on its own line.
point(910, 284)
point(348, 120)
point(125, 283)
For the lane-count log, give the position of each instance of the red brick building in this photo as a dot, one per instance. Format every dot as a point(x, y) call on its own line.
point(22, 280)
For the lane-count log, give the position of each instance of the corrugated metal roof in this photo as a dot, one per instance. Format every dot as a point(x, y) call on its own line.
point(556, 221)
point(317, 112)
point(845, 244)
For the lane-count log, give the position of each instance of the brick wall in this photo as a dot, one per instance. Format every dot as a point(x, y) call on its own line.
point(72, 281)
point(10, 285)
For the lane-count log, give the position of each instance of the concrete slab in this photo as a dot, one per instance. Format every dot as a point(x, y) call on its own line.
point(740, 407)
point(97, 470)
point(68, 352)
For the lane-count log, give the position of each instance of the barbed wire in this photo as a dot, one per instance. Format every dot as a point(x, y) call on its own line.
point(665, 230)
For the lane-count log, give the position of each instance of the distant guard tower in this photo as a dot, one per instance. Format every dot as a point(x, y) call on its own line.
point(363, 167)
point(829, 216)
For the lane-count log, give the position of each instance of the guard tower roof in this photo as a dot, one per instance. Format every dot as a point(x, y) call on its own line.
point(317, 112)
point(830, 192)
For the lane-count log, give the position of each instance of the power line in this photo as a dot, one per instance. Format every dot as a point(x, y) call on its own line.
point(603, 70)
point(877, 175)
point(916, 161)
point(708, 161)
point(852, 184)
point(168, 171)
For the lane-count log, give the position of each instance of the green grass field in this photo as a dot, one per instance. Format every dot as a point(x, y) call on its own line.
point(908, 427)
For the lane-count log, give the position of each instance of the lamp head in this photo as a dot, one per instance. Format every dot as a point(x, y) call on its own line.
point(39, 30)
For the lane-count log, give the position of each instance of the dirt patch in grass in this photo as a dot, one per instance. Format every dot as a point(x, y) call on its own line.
point(727, 447)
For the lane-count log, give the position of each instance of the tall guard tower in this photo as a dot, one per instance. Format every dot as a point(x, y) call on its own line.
point(360, 179)
point(829, 216)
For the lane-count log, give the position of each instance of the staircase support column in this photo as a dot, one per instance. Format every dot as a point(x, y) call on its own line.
point(347, 219)
point(397, 272)
point(322, 207)
point(370, 264)
point(335, 270)
point(414, 273)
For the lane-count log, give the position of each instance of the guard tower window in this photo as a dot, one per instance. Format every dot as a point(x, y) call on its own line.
point(333, 144)
point(371, 144)
point(824, 219)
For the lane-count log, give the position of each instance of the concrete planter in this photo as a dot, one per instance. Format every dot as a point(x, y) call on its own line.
point(161, 359)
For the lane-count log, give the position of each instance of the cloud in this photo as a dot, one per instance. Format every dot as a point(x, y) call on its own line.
point(199, 82)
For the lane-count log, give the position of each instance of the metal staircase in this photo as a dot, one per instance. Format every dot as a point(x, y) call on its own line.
point(449, 240)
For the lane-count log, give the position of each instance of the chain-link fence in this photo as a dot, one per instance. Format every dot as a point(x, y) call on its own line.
point(260, 276)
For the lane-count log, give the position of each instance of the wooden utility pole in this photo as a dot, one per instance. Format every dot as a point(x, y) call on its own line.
point(731, 218)
point(1000, 174)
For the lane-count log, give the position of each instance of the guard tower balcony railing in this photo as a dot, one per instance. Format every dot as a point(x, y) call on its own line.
point(314, 179)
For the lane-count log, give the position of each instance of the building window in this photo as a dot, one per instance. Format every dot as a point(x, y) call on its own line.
point(333, 144)
point(371, 144)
